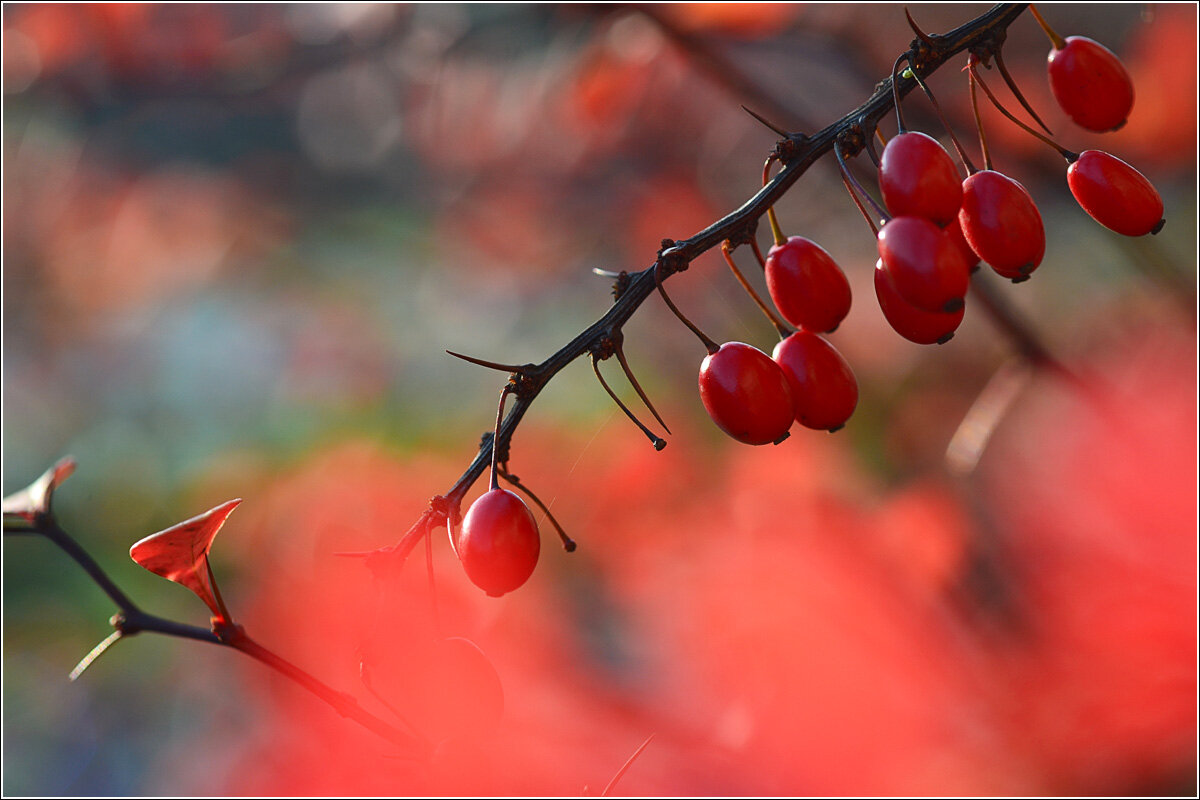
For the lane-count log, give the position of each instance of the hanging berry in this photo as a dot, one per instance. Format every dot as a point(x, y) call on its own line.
point(918, 178)
point(1088, 81)
point(1115, 194)
point(807, 285)
point(921, 327)
point(927, 268)
point(823, 388)
point(499, 543)
point(746, 394)
point(1002, 224)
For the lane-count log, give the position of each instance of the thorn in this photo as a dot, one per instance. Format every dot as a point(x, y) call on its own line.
point(769, 124)
point(658, 443)
point(922, 35)
point(603, 273)
point(620, 351)
point(568, 543)
point(489, 364)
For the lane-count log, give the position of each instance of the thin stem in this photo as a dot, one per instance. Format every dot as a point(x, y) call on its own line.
point(1067, 154)
point(861, 207)
point(568, 543)
point(708, 343)
point(962, 154)
point(212, 581)
point(784, 330)
point(341, 702)
point(776, 231)
point(1012, 87)
point(496, 436)
point(1056, 40)
point(847, 175)
point(637, 387)
point(900, 126)
point(983, 145)
point(658, 443)
point(96, 652)
point(49, 528)
point(625, 767)
point(758, 256)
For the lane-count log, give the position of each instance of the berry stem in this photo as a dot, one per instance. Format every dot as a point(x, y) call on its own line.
point(983, 145)
point(708, 343)
point(848, 176)
point(900, 126)
point(861, 207)
point(658, 443)
point(772, 220)
point(1012, 86)
point(637, 387)
point(784, 330)
point(1056, 40)
point(1065, 153)
point(567, 542)
point(508, 387)
point(962, 154)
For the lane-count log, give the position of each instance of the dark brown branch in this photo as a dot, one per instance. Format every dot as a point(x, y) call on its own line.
point(798, 153)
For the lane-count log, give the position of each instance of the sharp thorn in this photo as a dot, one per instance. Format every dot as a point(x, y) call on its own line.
point(654, 440)
point(766, 122)
point(637, 387)
point(922, 35)
point(489, 364)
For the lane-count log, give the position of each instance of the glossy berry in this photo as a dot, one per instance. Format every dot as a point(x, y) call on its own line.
point(918, 178)
point(823, 387)
point(955, 231)
point(1002, 224)
point(1115, 194)
point(746, 394)
point(926, 267)
point(498, 544)
point(922, 327)
point(807, 286)
point(1090, 84)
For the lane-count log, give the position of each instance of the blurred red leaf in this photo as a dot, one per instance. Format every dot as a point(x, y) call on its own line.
point(180, 554)
point(35, 498)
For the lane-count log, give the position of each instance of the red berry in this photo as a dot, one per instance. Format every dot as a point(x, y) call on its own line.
point(746, 394)
point(498, 544)
point(918, 178)
point(1115, 194)
point(808, 287)
point(1002, 224)
point(954, 229)
point(922, 327)
point(927, 268)
point(1090, 84)
point(824, 390)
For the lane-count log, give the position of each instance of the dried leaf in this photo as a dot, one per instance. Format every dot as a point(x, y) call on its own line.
point(180, 554)
point(34, 500)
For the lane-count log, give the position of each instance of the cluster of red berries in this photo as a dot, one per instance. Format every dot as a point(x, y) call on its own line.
point(937, 229)
point(755, 399)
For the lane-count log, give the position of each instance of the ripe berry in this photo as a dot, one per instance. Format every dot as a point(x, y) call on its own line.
point(746, 394)
point(922, 327)
point(807, 286)
point(1115, 194)
point(954, 229)
point(498, 544)
point(1090, 84)
point(1002, 224)
point(927, 268)
point(823, 387)
point(918, 178)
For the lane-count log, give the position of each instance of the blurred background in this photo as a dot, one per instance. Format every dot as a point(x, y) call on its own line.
point(238, 240)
